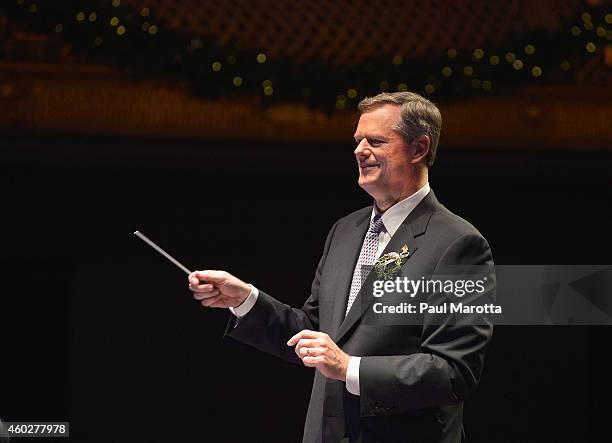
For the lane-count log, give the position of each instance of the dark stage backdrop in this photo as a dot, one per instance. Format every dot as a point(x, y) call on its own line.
point(99, 330)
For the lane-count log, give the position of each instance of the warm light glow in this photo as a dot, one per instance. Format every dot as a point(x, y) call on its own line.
point(590, 47)
point(468, 71)
point(116, 3)
point(237, 81)
point(565, 65)
point(586, 17)
point(216, 66)
point(452, 53)
point(145, 12)
point(478, 54)
point(494, 60)
point(114, 21)
point(383, 85)
point(487, 85)
point(59, 27)
point(261, 58)
point(266, 83)
point(80, 16)
point(529, 49)
point(588, 26)
point(98, 41)
point(600, 31)
point(402, 87)
point(475, 83)
point(536, 71)
point(93, 17)
point(152, 29)
point(231, 60)
point(510, 57)
point(33, 8)
point(429, 88)
point(397, 60)
point(575, 31)
point(447, 71)
point(121, 30)
point(517, 64)
point(268, 90)
point(351, 93)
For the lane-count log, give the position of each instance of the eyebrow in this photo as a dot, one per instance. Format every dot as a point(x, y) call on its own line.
point(358, 138)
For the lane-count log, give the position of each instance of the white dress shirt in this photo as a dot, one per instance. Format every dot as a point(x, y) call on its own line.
point(392, 219)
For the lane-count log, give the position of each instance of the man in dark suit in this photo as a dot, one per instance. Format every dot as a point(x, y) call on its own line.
point(375, 382)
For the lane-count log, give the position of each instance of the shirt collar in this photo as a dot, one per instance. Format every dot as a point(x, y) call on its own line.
point(394, 216)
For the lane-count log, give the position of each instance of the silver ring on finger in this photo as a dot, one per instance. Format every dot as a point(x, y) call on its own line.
point(307, 352)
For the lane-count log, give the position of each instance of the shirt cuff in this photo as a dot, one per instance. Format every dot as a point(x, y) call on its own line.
point(247, 304)
point(352, 375)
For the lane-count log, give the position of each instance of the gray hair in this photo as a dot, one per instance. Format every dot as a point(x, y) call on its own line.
point(419, 116)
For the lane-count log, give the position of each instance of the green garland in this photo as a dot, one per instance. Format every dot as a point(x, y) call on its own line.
point(137, 41)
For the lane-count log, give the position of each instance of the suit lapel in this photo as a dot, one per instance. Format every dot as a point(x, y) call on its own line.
point(351, 250)
point(413, 226)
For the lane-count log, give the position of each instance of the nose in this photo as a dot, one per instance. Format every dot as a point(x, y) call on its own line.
point(362, 151)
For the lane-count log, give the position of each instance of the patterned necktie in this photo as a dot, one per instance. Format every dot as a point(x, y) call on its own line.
point(367, 257)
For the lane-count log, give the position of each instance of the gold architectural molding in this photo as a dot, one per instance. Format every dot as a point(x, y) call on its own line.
point(44, 99)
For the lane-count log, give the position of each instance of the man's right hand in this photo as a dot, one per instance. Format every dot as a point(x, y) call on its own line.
point(218, 289)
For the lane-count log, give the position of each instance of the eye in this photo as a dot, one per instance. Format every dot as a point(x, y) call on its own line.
point(375, 142)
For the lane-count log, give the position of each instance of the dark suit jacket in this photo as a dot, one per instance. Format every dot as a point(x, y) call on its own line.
point(413, 379)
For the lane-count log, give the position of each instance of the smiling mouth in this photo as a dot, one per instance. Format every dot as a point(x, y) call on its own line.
point(366, 167)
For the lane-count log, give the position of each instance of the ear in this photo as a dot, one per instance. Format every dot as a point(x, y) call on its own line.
point(419, 149)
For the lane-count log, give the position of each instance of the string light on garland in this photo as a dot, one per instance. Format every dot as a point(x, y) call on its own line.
point(351, 93)
point(494, 60)
point(267, 87)
point(237, 81)
point(397, 60)
point(261, 58)
point(529, 49)
point(216, 66)
point(402, 87)
point(447, 71)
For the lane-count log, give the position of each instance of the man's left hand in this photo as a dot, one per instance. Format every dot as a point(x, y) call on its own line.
point(318, 350)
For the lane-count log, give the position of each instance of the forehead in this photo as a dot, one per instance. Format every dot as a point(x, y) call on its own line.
point(380, 119)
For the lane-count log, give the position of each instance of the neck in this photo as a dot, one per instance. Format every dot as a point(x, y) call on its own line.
point(412, 185)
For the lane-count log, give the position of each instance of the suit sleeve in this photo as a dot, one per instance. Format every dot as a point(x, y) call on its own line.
point(450, 365)
point(270, 323)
